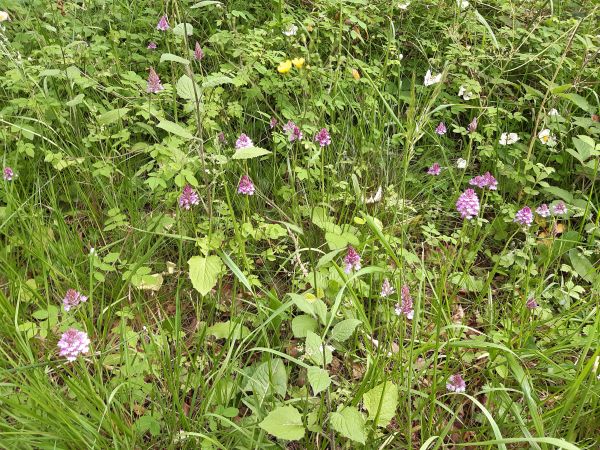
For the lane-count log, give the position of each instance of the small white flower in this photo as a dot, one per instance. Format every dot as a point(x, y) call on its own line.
point(291, 31)
point(404, 6)
point(546, 138)
point(461, 163)
point(508, 138)
point(400, 56)
point(4, 16)
point(432, 79)
point(467, 95)
point(553, 112)
point(464, 4)
point(375, 198)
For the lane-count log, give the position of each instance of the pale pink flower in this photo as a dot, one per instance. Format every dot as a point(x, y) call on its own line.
point(323, 138)
point(456, 383)
point(531, 303)
point(435, 169)
point(221, 138)
point(406, 307)
point(441, 129)
point(543, 210)
point(245, 186)
point(73, 343)
point(559, 209)
point(293, 131)
point(198, 53)
point(188, 197)
point(243, 142)
point(473, 125)
point(352, 260)
point(163, 24)
point(273, 123)
point(72, 299)
point(524, 216)
point(386, 288)
point(8, 174)
point(468, 204)
point(154, 85)
point(485, 180)
point(151, 46)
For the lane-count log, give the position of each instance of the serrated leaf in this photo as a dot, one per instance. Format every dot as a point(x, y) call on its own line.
point(284, 422)
point(318, 378)
point(316, 351)
point(250, 152)
point(183, 28)
point(174, 58)
point(350, 423)
point(381, 403)
point(302, 324)
point(344, 329)
point(175, 129)
point(204, 272)
point(185, 88)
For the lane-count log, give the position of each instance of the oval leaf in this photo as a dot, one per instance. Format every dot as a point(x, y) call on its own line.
point(250, 152)
point(284, 422)
point(204, 272)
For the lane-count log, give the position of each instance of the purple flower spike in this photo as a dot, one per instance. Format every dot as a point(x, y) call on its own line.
point(543, 210)
point(151, 46)
point(154, 85)
point(531, 303)
point(245, 187)
point(293, 131)
point(73, 343)
point(468, 204)
point(441, 129)
point(486, 180)
point(406, 307)
point(386, 288)
point(243, 142)
point(273, 123)
point(456, 383)
point(435, 169)
point(473, 125)
point(352, 260)
point(8, 174)
point(524, 216)
point(323, 138)
point(198, 53)
point(72, 299)
point(559, 209)
point(163, 24)
point(188, 197)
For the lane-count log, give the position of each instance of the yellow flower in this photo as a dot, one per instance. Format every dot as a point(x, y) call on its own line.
point(285, 66)
point(309, 28)
point(298, 62)
point(356, 74)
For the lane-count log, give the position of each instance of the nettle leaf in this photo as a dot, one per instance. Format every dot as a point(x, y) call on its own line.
point(344, 329)
point(302, 324)
point(175, 129)
point(174, 58)
point(350, 423)
point(582, 265)
point(270, 377)
point(381, 403)
point(315, 349)
point(185, 88)
point(204, 272)
point(250, 152)
point(284, 422)
point(318, 378)
point(183, 28)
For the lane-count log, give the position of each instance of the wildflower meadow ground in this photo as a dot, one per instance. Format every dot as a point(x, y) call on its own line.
point(299, 224)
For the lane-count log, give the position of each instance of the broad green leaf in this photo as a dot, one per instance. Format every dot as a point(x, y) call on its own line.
point(284, 422)
point(344, 329)
point(75, 100)
point(579, 101)
point(250, 152)
point(350, 423)
point(183, 28)
point(204, 272)
point(582, 265)
point(216, 80)
point(185, 88)
point(173, 58)
point(112, 116)
point(318, 378)
point(302, 324)
point(270, 377)
point(314, 349)
point(207, 3)
point(175, 129)
point(381, 403)
point(560, 193)
point(226, 330)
